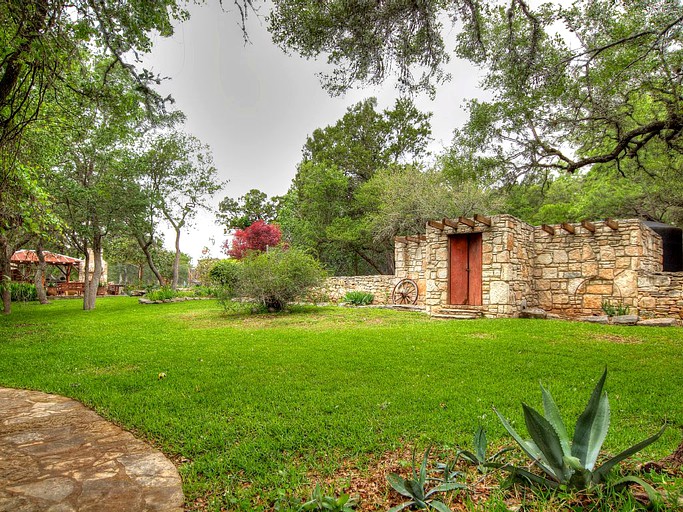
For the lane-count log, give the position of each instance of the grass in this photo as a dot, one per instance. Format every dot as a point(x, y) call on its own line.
point(252, 405)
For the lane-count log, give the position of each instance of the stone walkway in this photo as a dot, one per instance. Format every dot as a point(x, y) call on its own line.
point(58, 456)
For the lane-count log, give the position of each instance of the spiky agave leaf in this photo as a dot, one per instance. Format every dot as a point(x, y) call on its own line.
point(548, 442)
point(529, 447)
point(480, 444)
point(600, 473)
point(399, 484)
point(591, 427)
point(440, 506)
point(552, 414)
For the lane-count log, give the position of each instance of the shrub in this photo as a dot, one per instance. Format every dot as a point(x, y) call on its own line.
point(614, 309)
point(358, 298)
point(224, 274)
point(277, 277)
point(162, 293)
point(23, 292)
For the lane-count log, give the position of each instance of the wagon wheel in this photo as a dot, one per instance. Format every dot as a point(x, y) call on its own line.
point(405, 292)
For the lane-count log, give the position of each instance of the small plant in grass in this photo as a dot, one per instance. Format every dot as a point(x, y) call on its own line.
point(568, 463)
point(415, 488)
point(163, 293)
point(358, 298)
point(618, 309)
point(319, 501)
point(479, 457)
point(23, 292)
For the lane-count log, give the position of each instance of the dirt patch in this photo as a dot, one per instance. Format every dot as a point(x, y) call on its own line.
point(616, 338)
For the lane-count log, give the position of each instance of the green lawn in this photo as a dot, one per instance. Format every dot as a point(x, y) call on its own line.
point(250, 405)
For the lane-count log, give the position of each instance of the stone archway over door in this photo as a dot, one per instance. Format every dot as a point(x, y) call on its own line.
point(465, 269)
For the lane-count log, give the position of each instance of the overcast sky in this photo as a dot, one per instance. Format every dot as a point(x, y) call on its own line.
point(254, 105)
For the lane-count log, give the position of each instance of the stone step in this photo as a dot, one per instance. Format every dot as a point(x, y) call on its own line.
point(454, 316)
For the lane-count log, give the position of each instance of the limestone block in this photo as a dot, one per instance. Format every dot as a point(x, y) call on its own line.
point(587, 253)
point(633, 250)
point(627, 282)
point(487, 258)
point(606, 273)
point(606, 253)
point(658, 322)
point(589, 269)
point(560, 256)
point(575, 255)
point(542, 284)
point(625, 320)
point(602, 319)
point(442, 273)
point(593, 302)
point(599, 289)
point(623, 262)
point(544, 259)
point(647, 303)
point(499, 292)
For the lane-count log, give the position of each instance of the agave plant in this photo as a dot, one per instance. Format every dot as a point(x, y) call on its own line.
point(479, 457)
point(571, 463)
point(319, 501)
point(416, 488)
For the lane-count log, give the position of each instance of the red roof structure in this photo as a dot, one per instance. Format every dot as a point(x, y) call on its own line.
point(25, 256)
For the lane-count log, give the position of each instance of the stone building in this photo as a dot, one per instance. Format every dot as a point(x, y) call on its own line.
point(497, 266)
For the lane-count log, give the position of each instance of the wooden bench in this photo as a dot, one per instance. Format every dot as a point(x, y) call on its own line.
point(74, 288)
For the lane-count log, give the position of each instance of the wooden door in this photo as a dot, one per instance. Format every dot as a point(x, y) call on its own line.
point(465, 269)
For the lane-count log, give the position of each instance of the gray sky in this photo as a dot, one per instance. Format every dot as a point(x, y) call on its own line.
point(254, 105)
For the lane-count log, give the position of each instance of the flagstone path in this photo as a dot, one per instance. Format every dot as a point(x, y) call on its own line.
point(58, 456)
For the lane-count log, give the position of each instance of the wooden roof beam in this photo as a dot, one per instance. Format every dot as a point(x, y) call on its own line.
point(611, 223)
point(588, 225)
point(568, 227)
point(400, 239)
point(466, 221)
point(548, 229)
point(413, 239)
point(435, 224)
point(450, 223)
point(482, 220)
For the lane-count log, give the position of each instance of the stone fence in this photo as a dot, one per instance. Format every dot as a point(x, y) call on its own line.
point(380, 286)
point(660, 294)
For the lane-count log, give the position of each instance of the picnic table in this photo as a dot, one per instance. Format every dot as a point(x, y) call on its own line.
point(75, 288)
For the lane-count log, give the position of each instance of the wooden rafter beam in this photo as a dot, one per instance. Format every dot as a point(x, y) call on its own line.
point(466, 221)
point(588, 225)
point(568, 227)
point(450, 223)
point(435, 224)
point(400, 239)
point(548, 229)
point(482, 220)
point(423, 238)
point(413, 239)
point(611, 223)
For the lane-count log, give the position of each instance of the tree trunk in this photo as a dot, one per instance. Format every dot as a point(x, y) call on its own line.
point(145, 249)
point(93, 282)
point(176, 261)
point(40, 273)
point(5, 274)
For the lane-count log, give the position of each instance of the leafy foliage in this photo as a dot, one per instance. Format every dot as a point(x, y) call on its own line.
point(23, 292)
point(274, 278)
point(565, 462)
point(257, 237)
point(323, 211)
point(614, 309)
point(416, 489)
point(243, 212)
point(358, 298)
point(320, 502)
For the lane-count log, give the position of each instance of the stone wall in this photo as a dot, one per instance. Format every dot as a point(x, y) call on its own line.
point(410, 263)
point(660, 294)
point(574, 273)
point(380, 286)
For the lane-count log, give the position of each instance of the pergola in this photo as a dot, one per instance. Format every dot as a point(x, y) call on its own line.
point(27, 258)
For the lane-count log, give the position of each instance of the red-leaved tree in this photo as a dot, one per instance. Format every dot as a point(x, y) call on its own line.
point(257, 237)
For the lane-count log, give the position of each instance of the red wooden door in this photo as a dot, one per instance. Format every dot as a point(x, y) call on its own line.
point(465, 269)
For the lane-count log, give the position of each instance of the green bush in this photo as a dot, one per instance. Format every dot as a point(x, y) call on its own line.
point(358, 298)
point(273, 279)
point(23, 292)
point(162, 293)
point(225, 273)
